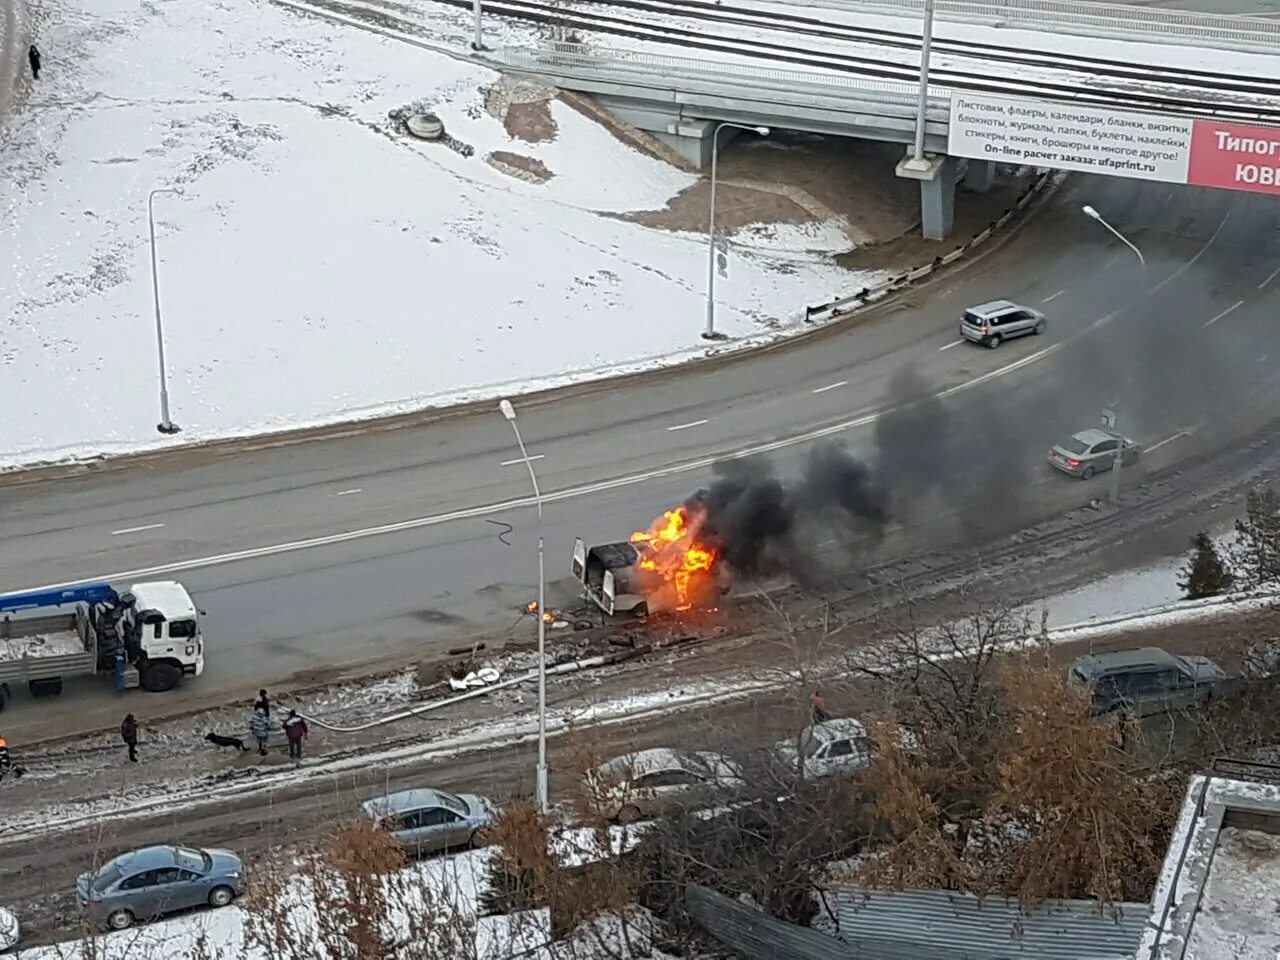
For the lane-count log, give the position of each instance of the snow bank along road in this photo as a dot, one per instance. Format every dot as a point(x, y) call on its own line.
point(312, 556)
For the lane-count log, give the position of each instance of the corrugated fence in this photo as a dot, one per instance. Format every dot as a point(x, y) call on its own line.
point(929, 925)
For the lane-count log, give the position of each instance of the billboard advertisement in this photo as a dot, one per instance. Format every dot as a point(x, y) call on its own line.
point(1121, 143)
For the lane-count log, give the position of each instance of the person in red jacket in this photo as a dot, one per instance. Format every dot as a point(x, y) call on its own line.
point(819, 705)
point(295, 731)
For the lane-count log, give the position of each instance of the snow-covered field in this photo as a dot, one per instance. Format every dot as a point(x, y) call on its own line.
point(319, 266)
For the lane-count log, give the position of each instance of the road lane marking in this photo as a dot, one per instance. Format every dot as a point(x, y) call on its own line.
point(953, 343)
point(601, 486)
point(1270, 278)
point(1169, 439)
point(512, 463)
point(1231, 309)
point(686, 426)
point(832, 386)
point(1053, 296)
point(148, 526)
point(345, 493)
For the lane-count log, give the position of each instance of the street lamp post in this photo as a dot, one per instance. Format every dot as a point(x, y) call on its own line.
point(710, 332)
point(509, 412)
point(166, 425)
point(1088, 211)
point(477, 44)
point(922, 100)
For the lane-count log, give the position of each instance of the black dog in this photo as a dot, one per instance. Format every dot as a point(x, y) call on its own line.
point(218, 740)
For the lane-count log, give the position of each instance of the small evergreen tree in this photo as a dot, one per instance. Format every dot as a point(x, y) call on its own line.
point(1205, 573)
point(1255, 558)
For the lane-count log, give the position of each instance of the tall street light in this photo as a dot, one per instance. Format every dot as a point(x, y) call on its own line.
point(509, 412)
point(710, 332)
point(1119, 459)
point(922, 100)
point(166, 425)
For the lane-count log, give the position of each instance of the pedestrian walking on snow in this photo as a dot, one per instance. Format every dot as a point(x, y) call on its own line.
point(259, 728)
point(263, 704)
point(33, 56)
point(819, 706)
point(295, 731)
point(129, 734)
point(5, 760)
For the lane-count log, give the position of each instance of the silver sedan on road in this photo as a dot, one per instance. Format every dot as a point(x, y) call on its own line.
point(1092, 451)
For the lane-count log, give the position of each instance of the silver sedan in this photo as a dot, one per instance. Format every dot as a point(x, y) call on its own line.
point(151, 882)
point(1092, 451)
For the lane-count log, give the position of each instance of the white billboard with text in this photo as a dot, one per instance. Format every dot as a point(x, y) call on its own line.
point(1042, 133)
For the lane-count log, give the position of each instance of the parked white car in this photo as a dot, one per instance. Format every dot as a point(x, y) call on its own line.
point(836, 747)
point(652, 782)
point(10, 931)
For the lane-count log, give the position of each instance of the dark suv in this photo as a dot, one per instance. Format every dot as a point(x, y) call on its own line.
point(1145, 681)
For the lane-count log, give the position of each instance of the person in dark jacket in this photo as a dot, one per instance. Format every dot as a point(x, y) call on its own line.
point(263, 704)
point(129, 734)
point(295, 731)
point(259, 728)
point(33, 56)
point(5, 760)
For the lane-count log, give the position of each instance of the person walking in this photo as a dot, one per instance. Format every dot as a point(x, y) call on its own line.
point(129, 734)
point(5, 760)
point(263, 704)
point(33, 57)
point(295, 731)
point(818, 705)
point(258, 726)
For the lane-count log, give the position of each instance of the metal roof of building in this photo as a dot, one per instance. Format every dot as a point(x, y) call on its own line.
point(940, 925)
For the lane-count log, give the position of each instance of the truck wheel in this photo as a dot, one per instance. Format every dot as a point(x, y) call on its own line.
point(161, 678)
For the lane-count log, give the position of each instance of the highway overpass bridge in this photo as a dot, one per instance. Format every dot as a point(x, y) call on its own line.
point(1011, 83)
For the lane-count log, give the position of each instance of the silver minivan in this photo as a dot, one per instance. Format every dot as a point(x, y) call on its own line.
point(990, 324)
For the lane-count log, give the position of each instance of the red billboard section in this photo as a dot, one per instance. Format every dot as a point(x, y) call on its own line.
point(1235, 156)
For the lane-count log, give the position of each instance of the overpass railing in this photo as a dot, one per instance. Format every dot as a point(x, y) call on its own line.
point(1111, 20)
point(605, 66)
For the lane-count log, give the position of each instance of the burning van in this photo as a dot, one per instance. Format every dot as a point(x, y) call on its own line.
point(668, 567)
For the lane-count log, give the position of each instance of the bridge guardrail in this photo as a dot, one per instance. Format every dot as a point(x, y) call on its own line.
point(840, 306)
point(610, 65)
point(1116, 21)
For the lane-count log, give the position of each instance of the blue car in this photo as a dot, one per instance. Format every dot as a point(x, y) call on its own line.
point(151, 882)
point(425, 821)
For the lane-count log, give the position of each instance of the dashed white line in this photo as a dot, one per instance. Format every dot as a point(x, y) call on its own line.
point(953, 343)
point(1270, 278)
point(1169, 439)
point(148, 526)
point(1053, 296)
point(347, 493)
point(1231, 309)
point(832, 386)
point(512, 463)
point(686, 426)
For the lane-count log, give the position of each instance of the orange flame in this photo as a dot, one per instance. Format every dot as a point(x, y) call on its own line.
point(675, 551)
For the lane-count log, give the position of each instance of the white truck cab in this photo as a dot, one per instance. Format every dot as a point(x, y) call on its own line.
point(169, 638)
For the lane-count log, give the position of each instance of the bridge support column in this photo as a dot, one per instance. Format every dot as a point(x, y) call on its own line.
point(980, 176)
point(692, 139)
point(937, 176)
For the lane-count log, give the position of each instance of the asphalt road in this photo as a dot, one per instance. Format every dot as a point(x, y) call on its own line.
point(316, 555)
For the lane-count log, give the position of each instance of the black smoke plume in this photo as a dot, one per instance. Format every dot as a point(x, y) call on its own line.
point(763, 524)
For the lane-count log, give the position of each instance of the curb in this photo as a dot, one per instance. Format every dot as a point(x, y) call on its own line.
point(842, 306)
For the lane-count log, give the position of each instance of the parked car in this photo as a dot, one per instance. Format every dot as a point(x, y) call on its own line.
point(427, 821)
point(1145, 681)
point(837, 747)
point(991, 324)
point(10, 930)
point(652, 782)
point(1092, 451)
point(151, 882)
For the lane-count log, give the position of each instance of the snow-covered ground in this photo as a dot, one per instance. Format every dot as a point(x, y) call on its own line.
point(318, 265)
point(1237, 917)
point(448, 887)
